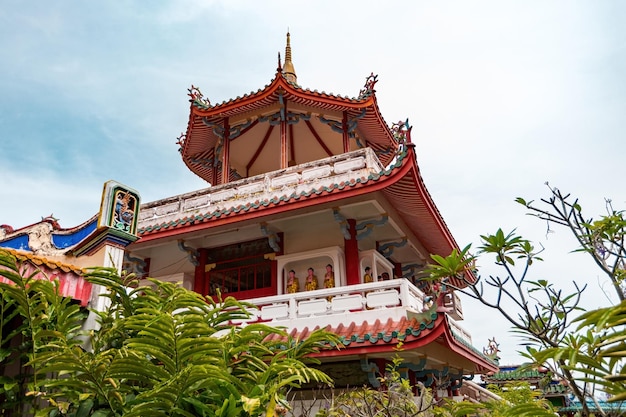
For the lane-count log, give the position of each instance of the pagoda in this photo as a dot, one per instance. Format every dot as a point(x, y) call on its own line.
point(315, 211)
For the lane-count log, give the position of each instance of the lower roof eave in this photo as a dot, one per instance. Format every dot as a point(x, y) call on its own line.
point(365, 347)
point(483, 364)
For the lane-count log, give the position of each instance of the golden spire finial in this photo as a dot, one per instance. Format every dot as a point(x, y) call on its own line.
point(289, 71)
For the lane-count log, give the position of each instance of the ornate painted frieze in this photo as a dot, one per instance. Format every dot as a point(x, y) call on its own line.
point(119, 209)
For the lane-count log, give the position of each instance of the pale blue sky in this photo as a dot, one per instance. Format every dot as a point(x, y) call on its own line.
point(503, 96)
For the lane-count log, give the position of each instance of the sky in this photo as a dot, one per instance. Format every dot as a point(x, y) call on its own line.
point(503, 96)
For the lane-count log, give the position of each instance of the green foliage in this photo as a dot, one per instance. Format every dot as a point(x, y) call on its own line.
point(395, 398)
point(516, 400)
point(454, 265)
point(161, 350)
point(584, 349)
point(596, 351)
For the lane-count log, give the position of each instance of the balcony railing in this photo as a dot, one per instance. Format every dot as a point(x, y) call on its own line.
point(382, 300)
point(303, 178)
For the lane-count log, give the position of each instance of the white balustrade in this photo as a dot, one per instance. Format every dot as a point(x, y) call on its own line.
point(303, 178)
point(459, 331)
point(377, 300)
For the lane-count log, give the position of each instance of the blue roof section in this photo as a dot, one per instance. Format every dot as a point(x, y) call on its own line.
point(18, 242)
point(63, 241)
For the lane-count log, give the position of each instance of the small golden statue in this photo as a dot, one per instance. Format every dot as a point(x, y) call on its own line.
point(311, 281)
point(293, 283)
point(367, 277)
point(329, 277)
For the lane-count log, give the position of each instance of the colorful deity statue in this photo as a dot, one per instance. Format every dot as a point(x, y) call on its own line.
point(368, 276)
point(311, 281)
point(329, 277)
point(293, 284)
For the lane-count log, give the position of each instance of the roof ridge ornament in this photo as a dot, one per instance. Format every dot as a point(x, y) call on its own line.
point(368, 88)
point(402, 131)
point(197, 98)
point(180, 141)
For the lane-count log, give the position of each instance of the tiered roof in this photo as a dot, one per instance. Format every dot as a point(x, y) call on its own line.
point(327, 125)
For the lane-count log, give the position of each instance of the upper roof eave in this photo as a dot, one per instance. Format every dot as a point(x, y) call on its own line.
point(263, 97)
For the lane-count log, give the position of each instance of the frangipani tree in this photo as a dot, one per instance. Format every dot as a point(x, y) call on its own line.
point(584, 349)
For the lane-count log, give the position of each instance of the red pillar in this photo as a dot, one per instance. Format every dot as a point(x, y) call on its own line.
point(284, 152)
point(413, 382)
point(381, 363)
point(199, 284)
point(226, 153)
point(351, 248)
point(346, 139)
point(397, 270)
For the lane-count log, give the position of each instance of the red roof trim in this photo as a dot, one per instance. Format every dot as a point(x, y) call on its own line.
point(463, 350)
point(390, 182)
point(302, 96)
point(199, 139)
point(425, 337)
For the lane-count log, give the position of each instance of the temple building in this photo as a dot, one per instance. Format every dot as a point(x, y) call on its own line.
point(315, 211)
point(553, 389)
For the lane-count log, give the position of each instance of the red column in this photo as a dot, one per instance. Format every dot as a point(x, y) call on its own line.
point(397, 270)
point(346, 139)
point(226, 153)
point(381, 363)
point(199, 284)
point(413, 382)
point(276, 277)
point(284, 153)
point(351, 248)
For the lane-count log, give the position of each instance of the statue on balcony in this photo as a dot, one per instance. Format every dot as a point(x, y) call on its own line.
point(368, 276)
point(293, 283)
point(329, 277)
point(311, 281)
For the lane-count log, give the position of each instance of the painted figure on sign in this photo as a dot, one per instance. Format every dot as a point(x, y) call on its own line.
point(124, 211)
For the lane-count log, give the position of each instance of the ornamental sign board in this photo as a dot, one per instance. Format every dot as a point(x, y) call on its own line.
point(119, 208)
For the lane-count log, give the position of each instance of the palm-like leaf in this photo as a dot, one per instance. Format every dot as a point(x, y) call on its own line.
point(161, 350)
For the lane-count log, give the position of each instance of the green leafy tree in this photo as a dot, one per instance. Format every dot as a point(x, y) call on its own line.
point(584, 349)
point(516, 400)
point(161, 350)
point(31, 309)
point(394, 398)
